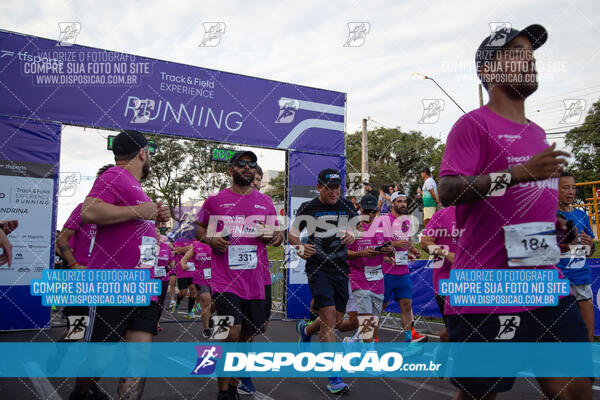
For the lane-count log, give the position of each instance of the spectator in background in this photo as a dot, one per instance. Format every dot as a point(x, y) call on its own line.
point(352, 199)
point(430, 196)
point(384, 200)
point(369, 189)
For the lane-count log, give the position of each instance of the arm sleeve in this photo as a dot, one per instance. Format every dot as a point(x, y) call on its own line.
point(74, 221)
point(464, 147)
point(204, 214)
point(106, 187)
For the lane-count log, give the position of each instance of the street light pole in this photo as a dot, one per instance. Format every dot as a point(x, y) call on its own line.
point(421, 76)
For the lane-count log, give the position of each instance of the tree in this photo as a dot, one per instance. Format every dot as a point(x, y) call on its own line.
point(276, 190)
point(395, 156)
point(584, 141)
point(179, 165)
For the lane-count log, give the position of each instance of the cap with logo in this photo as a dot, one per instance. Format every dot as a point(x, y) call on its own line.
point(128, 141)
point(329, 177)
point(368, 202)
point(501, 37)
point(239, 154)
point(395, 195)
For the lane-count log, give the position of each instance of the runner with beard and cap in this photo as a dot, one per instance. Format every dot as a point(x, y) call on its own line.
point(125, 219)
point(502, 175)
point(237, 223)
point(397, 228)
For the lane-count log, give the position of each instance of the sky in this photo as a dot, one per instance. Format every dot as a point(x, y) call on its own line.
point(303, 43)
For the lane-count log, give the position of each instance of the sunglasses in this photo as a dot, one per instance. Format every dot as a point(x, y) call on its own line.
point(371, 211)
point(243, 163)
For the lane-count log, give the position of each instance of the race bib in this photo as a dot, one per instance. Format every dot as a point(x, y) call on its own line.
point(401, 257)
point(531, 244)
point(191, 266)
point(242, 257)
point(148, 255)
point(575, 258)
point(206, 273)
point(373, 273)
point(160, 271)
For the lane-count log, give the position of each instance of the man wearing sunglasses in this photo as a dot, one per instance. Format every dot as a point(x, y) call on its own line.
point(237, 223)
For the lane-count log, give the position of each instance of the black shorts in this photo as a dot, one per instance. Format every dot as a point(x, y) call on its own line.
point(203, 289)
point(248, 313)
point(109, 324)
point(441, 301)
point(562, 323)
point(328, 289)
point(184, 283)
point(268, 301)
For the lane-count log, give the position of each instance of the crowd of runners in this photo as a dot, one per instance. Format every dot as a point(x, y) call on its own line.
point(356, 260)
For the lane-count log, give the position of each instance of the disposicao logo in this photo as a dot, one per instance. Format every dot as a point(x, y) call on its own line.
point(207, 359)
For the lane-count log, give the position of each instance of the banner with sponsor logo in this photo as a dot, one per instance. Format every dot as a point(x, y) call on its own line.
point(303, 187)
point(29, 155)
point(99, 88)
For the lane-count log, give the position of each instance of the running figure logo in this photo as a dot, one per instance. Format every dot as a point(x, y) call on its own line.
point(212, 34)
point(221, 325)
point(287, 110)
point(366, 326)
point(500, 182)
point(432, 109)
point(77, 325)
point(574, 111)
point(357, 33)
point(500, 31)
point(207, 359)
point(68, 33)
point(508, 326)
point(141, 110)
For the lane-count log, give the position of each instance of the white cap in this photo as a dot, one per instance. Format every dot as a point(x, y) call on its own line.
point(395, 195)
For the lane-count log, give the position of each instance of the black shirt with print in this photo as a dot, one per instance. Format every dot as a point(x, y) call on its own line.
point(330, 254)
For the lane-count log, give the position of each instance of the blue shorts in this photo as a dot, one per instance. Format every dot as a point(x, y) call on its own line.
point(562, 323)
point(397, 287)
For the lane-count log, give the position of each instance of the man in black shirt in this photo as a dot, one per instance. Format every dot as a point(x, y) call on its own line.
point(326, 219)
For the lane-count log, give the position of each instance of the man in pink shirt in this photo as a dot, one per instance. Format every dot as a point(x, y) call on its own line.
point(232, 223)
point(502, 175)
point(125, 219)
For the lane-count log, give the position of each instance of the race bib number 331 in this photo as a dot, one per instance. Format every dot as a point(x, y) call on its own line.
point(242, 257)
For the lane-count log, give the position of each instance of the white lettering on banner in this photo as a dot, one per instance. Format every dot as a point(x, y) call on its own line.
point(201, 116)
point(320, 362)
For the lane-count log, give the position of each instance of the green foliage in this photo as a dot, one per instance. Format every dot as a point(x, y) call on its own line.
point(395, 156)
point(276, 189)
point(180, 165)
point(585, 143)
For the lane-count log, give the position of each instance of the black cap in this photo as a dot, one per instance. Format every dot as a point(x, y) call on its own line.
point(498, 39)
point(128, 142)
point(239, 154)
point(330, 176)
point(368, 202)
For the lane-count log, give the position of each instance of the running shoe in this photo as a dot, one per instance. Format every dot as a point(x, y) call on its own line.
point(206, 333)
point(411, 350)
point(197, 308)
point(336, 386)
point(300, 329)
point(417, 337)
point(190, 315)
point(246, 386)
point(233, 393)
point(173, 303)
